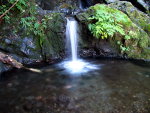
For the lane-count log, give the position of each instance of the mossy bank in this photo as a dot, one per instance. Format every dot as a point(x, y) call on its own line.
point(129, 37)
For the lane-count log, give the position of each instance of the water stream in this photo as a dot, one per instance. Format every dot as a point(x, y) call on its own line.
point(116, 87)
point(75, 65)
point(72, 35)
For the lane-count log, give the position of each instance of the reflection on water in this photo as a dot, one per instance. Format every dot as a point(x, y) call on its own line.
point(116, 87)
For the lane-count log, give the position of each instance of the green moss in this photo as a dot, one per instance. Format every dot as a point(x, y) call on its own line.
point(143, 40)
point(146, 53)
point(132, 40)
point(53, 44)
point(139, 18)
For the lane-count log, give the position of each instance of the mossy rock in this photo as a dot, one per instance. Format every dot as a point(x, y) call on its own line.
point(139, 18)
point(26, 48)
point(53, 44)
point(139, 39)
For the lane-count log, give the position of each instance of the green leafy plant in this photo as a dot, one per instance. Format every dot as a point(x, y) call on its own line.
point(8, 6)
point(106, 22)
point(122, 47)
point(33, 25)
point(3, 8)
point(21, 4)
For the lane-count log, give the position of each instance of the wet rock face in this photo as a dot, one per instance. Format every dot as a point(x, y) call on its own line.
point(25, 49)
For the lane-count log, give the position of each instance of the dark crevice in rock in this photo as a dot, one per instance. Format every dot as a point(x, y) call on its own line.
point(99, 1)
point(4, 50)
point(136, 4)
point(46, 5)
point(86, 3)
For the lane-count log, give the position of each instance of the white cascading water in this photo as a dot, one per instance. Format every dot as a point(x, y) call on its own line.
point(71, 33)
point(75, 65)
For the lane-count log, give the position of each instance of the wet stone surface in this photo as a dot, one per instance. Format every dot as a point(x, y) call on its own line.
point(116, 87)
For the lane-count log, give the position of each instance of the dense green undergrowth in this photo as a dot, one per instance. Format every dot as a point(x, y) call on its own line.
point(24, 16)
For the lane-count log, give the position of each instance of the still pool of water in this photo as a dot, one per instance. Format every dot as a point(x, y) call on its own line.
point(115, 86)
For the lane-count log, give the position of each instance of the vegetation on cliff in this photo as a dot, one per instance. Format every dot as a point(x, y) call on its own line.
point(126, 31)
point(22, 14)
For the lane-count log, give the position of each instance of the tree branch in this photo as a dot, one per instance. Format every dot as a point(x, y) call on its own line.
point(6, 59)
point(9, 9)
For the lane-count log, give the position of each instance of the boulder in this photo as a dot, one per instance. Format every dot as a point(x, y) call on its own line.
point(139, 18)
point(26, 48)
point(23, 49)
point(137, 45)
point(54, 43)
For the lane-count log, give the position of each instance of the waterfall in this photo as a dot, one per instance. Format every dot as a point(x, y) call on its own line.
point(72, 35)
point(75, 65)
